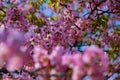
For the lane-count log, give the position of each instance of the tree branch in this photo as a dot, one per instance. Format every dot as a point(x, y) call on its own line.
point(2, 10)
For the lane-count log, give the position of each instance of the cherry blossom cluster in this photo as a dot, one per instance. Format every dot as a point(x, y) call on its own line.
point(39, 39)
point(10, 52)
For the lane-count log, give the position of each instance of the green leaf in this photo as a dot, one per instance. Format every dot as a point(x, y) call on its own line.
point(110, 54)
point(112, 44)
point(105, 18)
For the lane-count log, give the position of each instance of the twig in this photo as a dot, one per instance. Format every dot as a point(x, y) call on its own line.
point(2, 10)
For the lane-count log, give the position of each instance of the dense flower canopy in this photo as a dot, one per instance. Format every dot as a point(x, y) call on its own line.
point(59, 39)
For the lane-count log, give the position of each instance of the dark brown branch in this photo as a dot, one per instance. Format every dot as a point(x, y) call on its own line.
point(3, 71)
point(96, 7)
point(76, 26)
